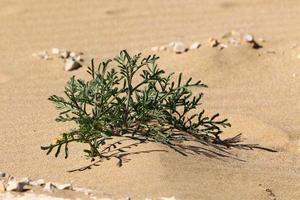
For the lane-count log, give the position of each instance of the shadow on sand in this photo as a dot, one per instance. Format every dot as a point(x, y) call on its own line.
point(188, 146)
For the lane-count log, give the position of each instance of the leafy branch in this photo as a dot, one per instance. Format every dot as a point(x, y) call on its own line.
point(110, 104)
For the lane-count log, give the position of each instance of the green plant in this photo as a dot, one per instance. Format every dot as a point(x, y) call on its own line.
point(156, 108)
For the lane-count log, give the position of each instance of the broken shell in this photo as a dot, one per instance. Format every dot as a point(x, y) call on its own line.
point(179, 47)
point(213, 42)
point(71, 64)
point(195, 45)
point(55, 51)
point(248, 38)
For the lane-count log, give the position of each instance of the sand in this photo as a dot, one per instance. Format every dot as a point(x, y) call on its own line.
point(258, 90)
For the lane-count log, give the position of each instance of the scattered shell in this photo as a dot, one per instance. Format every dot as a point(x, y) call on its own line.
point(55, 51)
point(14, 185)
point(49, 187)
point(63, 186)
point(154, 48)
point(248, 38)
point(162, 48)
point(71, 64)
point(213, 42)
point(2, 174)
point(2, 186)
point(195, 45)
point(179, 47)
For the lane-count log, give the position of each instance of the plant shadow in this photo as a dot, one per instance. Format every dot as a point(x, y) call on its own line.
point(189, 146)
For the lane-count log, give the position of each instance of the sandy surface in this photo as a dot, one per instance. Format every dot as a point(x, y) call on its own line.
point(258, 90)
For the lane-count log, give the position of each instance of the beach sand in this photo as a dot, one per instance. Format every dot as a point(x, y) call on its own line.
point(257, 90)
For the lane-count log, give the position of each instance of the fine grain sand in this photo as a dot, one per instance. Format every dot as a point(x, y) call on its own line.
point(258, 90)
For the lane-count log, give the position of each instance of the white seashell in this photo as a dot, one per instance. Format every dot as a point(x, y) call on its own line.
point(195, 45)
point(248, 38)
point(55, 51)
point(179, 47)
point(71, 64)
point(49, 187)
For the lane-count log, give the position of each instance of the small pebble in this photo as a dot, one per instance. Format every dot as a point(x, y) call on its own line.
point(64, 54)
point(223, 46)
point(2, 186)
point(83, 190)
point(55, 51)
point(73, 54)
point(248, 38)
point(167, 198)
point(179, 47)
point(71, 64)
point(162, 48)
point(154, 49)
point(39, 182)
point(79, 59)
point(195, 45)
point(213, 42)
point(2, 174)
point(171, 44)
point(125, 198)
